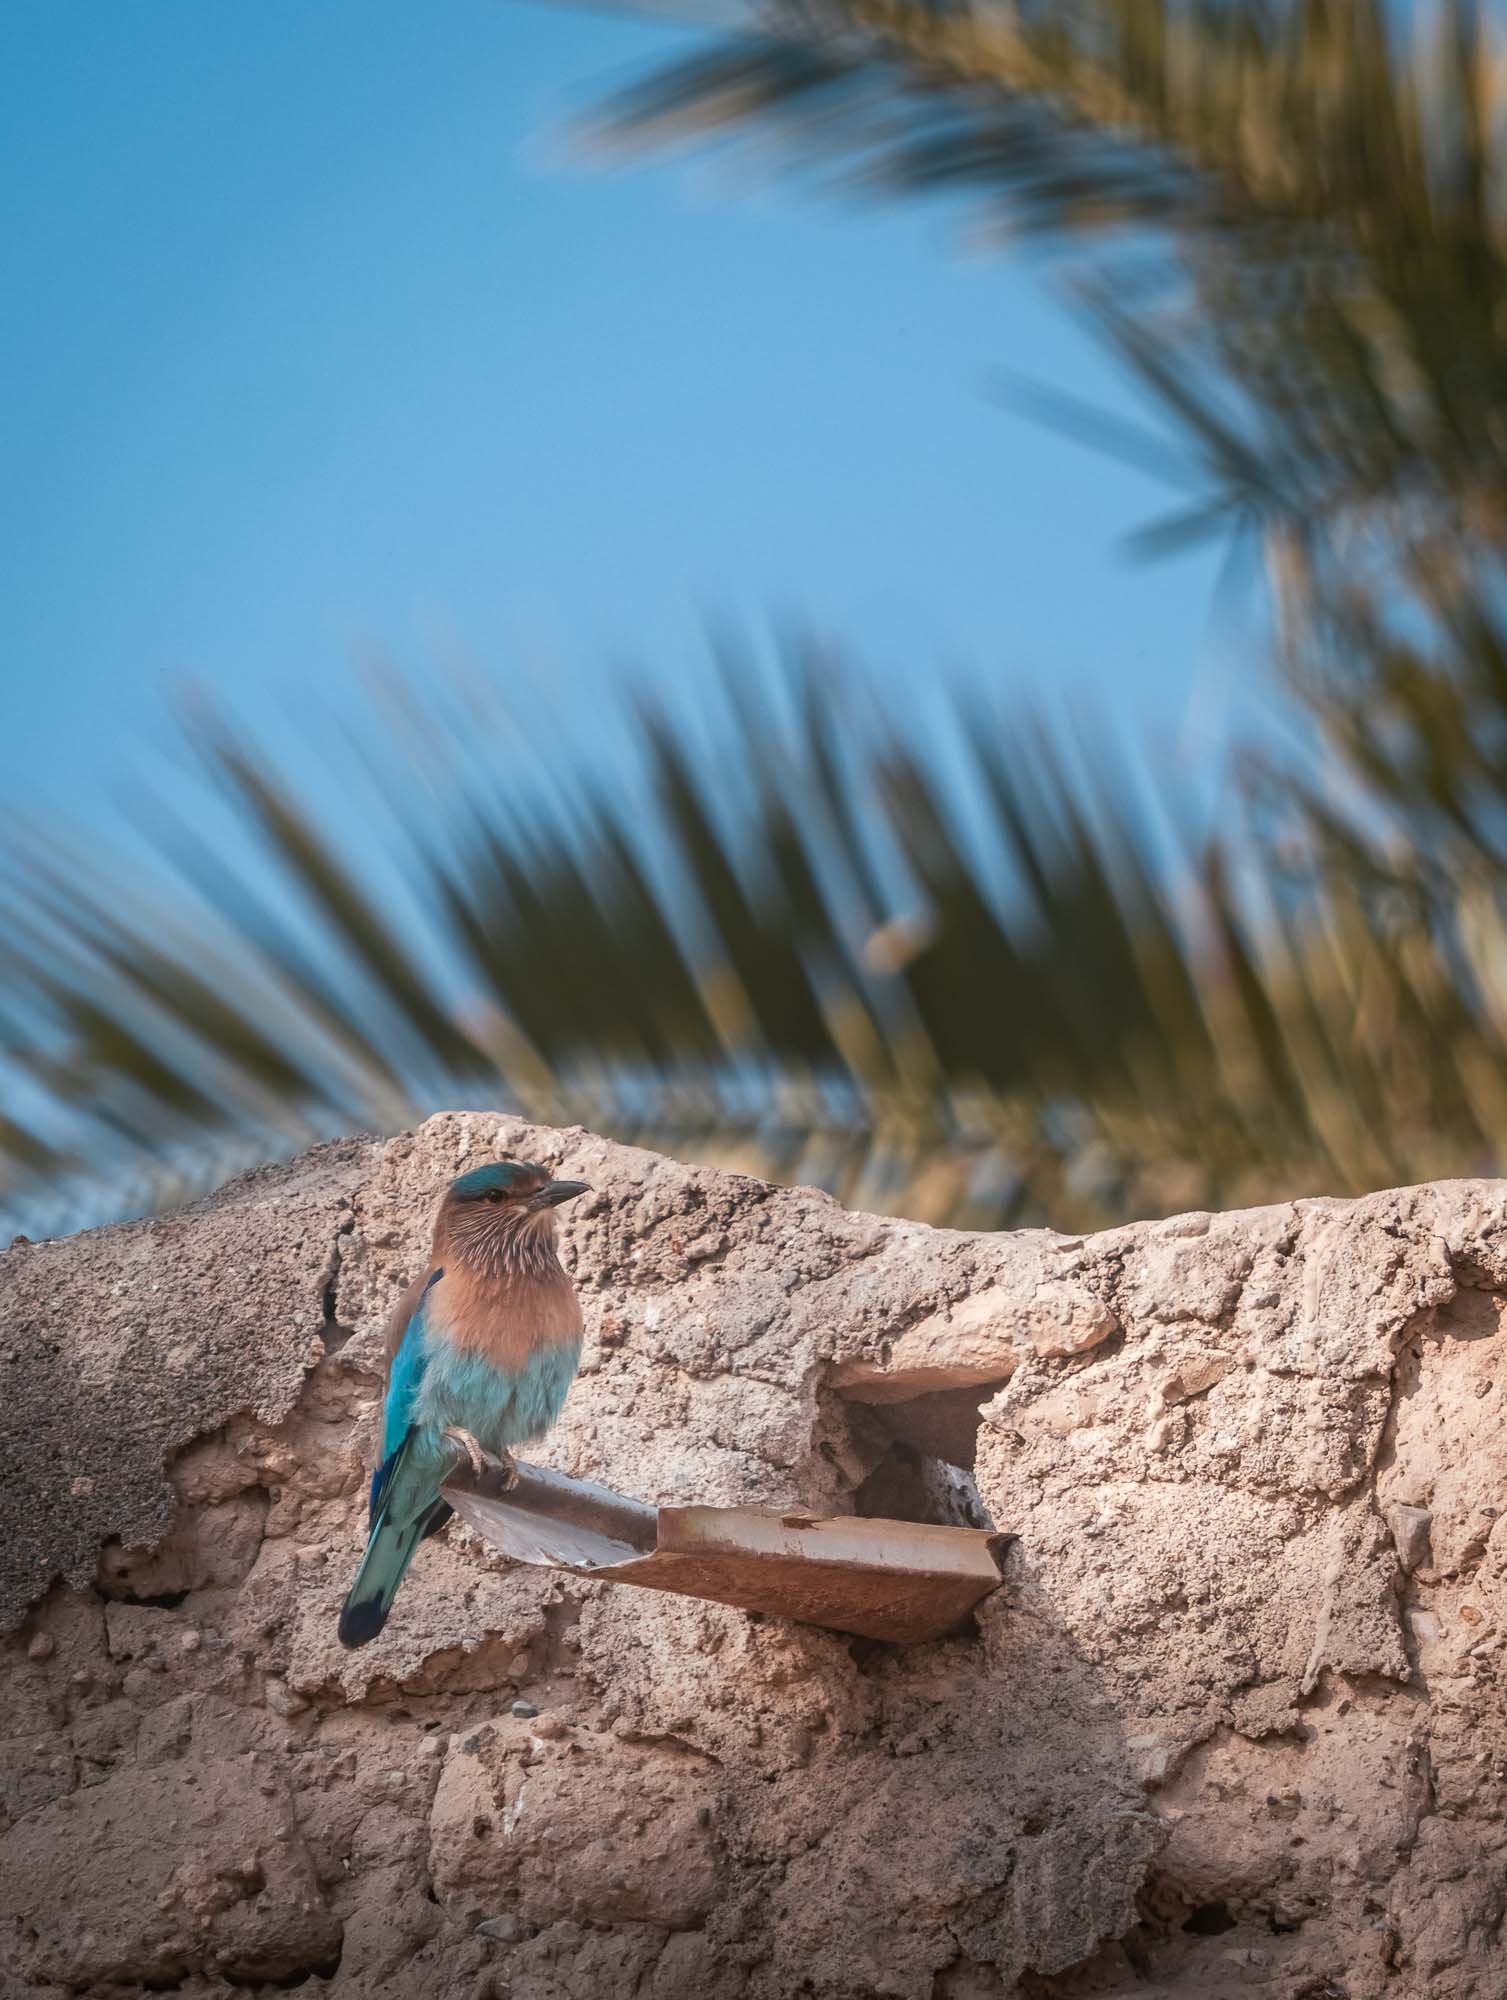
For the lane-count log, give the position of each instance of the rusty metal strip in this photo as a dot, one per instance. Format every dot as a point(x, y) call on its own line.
point(898, 1580)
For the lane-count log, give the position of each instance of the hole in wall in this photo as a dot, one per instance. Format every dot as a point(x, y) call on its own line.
point(1209, 1920)
point(210, 1545)
point(923, 1450)
point(907, 1485)
point(114, 1591)
point(319, 1968)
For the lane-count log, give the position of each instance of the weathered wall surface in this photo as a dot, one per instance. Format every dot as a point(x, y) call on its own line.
point(1235, 1725)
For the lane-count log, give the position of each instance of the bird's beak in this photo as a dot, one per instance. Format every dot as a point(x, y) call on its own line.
point(554, 1192)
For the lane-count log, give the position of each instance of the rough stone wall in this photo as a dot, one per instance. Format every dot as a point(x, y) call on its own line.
point(1234, 1726)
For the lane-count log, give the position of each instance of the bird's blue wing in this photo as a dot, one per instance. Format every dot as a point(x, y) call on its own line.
point(404, 1379)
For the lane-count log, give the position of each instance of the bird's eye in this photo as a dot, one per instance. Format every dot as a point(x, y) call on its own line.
point(494, 1194)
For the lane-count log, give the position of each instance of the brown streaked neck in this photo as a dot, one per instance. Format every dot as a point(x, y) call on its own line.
point(505, 1308)
point(504, 1249)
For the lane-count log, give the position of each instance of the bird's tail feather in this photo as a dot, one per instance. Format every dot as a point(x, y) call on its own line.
point(389, 1550)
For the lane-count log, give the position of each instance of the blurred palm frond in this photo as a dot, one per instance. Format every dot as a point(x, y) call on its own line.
point(804, 951)
point(799, 947)
point(1308, 197)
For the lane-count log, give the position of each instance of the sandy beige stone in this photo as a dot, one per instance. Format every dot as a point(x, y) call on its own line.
point(1233, 1726)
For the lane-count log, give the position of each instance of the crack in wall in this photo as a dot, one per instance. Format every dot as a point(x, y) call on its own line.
point(332, 1332)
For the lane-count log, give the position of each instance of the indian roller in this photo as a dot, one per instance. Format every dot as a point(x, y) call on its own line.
point(481, 1350)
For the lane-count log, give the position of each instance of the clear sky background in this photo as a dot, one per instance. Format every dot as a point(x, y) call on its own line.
point(316, 340)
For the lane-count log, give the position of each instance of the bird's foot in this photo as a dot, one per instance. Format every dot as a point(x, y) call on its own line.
point(503, 1468)
point(470, 1447)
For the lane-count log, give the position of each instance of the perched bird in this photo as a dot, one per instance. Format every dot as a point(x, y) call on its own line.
point(481, 1351)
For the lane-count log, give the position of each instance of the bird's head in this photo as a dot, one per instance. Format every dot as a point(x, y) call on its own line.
point(501, 1216)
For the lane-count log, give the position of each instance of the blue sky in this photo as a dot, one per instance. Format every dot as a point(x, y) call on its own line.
point(317, 341)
